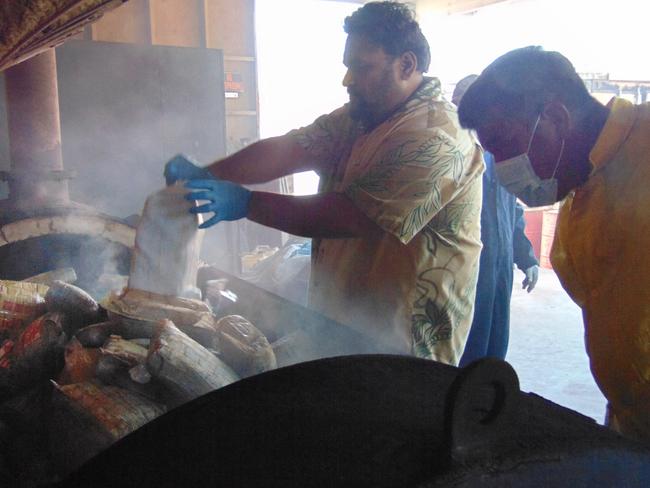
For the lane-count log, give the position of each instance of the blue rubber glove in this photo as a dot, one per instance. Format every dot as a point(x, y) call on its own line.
point(181, 167)
point(228, 201)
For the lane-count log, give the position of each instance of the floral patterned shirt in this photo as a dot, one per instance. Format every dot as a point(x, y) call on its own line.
point(418, 177)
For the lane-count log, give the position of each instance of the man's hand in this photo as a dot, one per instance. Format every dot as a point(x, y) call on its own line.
point(532, 274)
point(227, 200)
point(181, 167)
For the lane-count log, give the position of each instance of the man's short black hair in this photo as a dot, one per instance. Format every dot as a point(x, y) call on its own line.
point(519, 83)
point(392, 26)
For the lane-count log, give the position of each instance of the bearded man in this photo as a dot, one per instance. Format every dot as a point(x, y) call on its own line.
point(395, 225)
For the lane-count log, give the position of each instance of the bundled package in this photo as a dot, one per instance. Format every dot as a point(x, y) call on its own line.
point(88, 417)
point(142, 306)
point(167, 246)
point(122, 364)
point(36, 355)
point(185, 366)
point(78, 307)
point(20, 304)
point(80, 363)
point(243, 347)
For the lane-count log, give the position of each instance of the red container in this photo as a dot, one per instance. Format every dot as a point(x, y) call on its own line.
point(533, 230)
point(548, 234)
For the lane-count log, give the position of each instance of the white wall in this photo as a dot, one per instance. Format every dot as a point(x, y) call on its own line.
point(598, 36)
point(299, 51)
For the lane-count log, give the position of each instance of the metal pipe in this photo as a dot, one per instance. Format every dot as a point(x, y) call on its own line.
point(37, 178)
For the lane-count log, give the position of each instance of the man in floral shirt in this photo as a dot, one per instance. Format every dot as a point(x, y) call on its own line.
point(396, 220)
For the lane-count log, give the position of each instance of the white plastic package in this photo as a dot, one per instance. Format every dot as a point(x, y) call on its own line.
point(167, 245)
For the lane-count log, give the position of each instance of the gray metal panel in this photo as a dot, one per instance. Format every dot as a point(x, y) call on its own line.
point(126, 109)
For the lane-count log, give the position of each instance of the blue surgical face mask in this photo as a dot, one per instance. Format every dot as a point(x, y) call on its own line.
point(519, 178)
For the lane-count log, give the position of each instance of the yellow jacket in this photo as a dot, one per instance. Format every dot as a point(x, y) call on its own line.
point(602, 256)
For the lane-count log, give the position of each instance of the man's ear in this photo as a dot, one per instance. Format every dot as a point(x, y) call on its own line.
point(408, 63)
point(559, 115)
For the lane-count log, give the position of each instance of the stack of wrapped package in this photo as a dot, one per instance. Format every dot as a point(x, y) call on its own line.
point(90, 374)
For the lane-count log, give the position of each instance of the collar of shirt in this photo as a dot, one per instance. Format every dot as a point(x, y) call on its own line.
point(429, 88)
point(622, 115)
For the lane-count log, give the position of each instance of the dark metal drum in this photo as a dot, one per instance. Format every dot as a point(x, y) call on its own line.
point(371, 420)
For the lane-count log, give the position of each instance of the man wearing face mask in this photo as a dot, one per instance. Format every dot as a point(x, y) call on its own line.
point(552, 141)
point(395, 224)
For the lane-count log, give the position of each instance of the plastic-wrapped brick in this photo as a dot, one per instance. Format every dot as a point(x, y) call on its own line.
point(185, 366)
point(243, 347)
point(20, 304)
point(88, 417)
point(37, 354)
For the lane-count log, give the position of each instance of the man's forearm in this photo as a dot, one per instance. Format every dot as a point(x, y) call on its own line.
point(329, 215)
point(263, 161)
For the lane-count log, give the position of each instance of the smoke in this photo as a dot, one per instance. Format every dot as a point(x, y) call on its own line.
point(100, 265)
point(126, 109)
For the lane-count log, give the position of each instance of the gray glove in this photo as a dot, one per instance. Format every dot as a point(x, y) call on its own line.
point(532, 274)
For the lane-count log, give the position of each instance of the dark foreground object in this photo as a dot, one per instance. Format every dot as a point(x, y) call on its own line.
point(371, 420)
